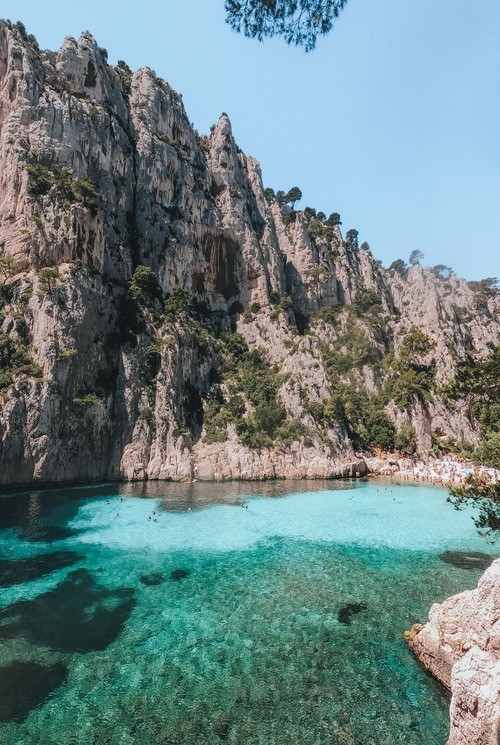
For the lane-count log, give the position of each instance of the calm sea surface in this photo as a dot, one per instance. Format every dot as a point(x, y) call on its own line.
point(240, 613)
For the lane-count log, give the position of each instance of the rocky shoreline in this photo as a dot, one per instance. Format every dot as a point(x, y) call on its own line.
point(460, 646)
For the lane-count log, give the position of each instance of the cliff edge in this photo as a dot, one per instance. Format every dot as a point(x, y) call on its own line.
point(162, 315)
point(460, 646)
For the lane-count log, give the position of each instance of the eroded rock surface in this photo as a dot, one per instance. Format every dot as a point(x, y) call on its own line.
point(102, 174)
point(460, 646)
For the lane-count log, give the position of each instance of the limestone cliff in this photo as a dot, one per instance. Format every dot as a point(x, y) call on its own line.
point(460, 645)
point(161, 317)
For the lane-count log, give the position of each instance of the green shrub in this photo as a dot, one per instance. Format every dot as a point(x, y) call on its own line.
point(177, 303)
point(86, 401)
point(406, 439)
point(7, 266)
point(143, 288)
point(85, 191)
point(367, 301)
point(48, 279)
point(146, 415)
point(15, 361)
point(68, 354)
point(39, 179)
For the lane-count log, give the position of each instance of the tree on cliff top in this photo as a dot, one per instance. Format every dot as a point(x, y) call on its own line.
point(299, 22)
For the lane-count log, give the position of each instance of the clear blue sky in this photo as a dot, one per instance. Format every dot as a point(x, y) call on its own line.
point(393, 121)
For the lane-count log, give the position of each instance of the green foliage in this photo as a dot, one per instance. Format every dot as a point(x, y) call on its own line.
point(15, 361)
point(413, 383)
point(362, 414)
point(146, 415)
point(483, 495)
point(293, 196)
point(62, 180)
point(144, 289)
point(416, 344)
point(68, 354)
point(6, 295)
point(177, 303)
point(477, 378)
point(86, 401)
point(290, 217)
point(151, 362)
point(352, 349)
point(236, 347)
point(318, 229)
point(487, 287)
point(476, 381)
point(218, 413)
point(7, 266)
point(85, 191)
point(411, 379)
point(398, 266)
point(249, 374)
point(333, 219)
point(290, 431)
point(442, 271)
point(269, 195)
point(48, 279)
point(380, 431)
point(299, 23)
point(41, 179)
point(367, 301)
point(406, 439)
point(328, 314)
point(416, 257)
point(488, 452)
point(351, 238)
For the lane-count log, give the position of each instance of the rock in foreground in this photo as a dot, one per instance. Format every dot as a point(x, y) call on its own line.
point(460, 646)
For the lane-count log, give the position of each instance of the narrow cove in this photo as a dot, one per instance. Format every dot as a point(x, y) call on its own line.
point(245, 613)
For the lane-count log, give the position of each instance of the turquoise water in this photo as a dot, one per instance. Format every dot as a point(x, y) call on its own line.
point(238, 613)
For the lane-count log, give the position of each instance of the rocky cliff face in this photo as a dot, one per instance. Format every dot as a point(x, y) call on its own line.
point(162, 318)
point(460, 645)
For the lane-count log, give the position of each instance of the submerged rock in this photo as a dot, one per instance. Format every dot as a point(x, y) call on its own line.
point(467, 559)
point(77, 616)
point(178, 574)
point(345, 614)
point(18, 571)
point(153, 579)
point(25, 685)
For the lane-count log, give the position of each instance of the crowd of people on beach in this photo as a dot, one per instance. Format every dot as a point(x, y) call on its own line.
point(445, 470)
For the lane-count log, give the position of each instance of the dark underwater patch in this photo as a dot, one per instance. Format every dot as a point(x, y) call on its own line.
point(26, 685)
point(77, 616)
point(18, 571)
point(153, 579)
point(178, 574)
point(48, 534)
point(347, 611)
point(467, 559)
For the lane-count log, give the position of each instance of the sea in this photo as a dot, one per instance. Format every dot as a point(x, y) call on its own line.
point(243, 613)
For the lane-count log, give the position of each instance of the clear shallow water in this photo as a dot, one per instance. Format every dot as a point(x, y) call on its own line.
point(265, 615)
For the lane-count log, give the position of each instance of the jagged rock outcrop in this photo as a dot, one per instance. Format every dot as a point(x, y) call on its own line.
point(460, 646)
point(110, 204)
